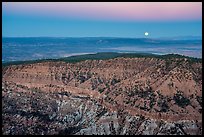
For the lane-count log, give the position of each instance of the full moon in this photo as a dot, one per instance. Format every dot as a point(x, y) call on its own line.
point(146, 33)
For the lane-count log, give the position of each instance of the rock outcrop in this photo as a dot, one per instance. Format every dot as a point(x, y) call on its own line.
point(131, 96)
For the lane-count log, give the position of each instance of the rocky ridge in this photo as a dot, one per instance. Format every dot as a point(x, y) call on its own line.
point(115, 96)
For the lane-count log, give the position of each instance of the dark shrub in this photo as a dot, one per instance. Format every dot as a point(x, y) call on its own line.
point(180, 100)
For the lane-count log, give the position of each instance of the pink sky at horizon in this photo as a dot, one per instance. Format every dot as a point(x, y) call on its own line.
point(122, 11)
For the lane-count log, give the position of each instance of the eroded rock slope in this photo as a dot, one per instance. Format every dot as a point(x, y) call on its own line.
point(115, 96)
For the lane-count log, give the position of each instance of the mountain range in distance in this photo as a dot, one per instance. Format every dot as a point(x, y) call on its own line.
point(182, 38)
point(189, 37)
point(32, 48)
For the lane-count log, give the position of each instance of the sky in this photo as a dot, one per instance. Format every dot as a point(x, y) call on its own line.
point(101, 19)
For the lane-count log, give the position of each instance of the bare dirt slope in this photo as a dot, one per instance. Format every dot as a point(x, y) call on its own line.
point(115, 96)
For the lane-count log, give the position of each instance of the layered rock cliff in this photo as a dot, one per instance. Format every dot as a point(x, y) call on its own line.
point(115, 96)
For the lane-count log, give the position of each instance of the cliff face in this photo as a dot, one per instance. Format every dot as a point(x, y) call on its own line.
point(115, 96)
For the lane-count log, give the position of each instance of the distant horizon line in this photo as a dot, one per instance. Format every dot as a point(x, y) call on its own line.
point(97, 36)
